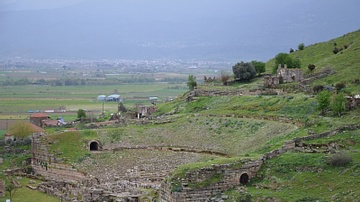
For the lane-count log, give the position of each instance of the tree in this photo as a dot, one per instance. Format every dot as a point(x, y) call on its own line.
point(259, 66)
point(21, 129)
point(323, 99)
point(284, 58)
point(11, 188)
point(224, 77)
point(337, 103)
point(244, 71)
point(301, 46)
point(311, 67)
point(81, 113)
point(191, 82)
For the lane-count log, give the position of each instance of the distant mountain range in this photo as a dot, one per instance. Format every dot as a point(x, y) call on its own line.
point(216, 30)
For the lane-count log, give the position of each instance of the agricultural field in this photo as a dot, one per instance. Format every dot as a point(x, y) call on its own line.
point(17, 101)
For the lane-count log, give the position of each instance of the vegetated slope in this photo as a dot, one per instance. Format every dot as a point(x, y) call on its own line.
point(212, 123)
point(346, 62)
point(298, 176)
point(318, 175)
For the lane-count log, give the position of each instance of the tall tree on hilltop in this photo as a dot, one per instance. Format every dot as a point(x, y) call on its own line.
point(191, 83)
point(259, 66)
point(284, 58)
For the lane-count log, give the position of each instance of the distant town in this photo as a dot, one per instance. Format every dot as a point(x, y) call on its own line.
point(113, 66)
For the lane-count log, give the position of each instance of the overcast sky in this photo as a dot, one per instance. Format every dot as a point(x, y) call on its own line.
point(206, 29)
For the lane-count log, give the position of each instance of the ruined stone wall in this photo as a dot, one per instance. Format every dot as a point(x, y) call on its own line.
point(201, 92)
point(314, 76)
point(328, 133)
point(48, 166)
point(188, 188)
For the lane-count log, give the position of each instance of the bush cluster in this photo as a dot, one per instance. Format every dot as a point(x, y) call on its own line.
point(18, 142)
point(318, 88)
point(301, 46)
point(340, 159)
point(340, 86)
point(311, 67)
point(244, 71)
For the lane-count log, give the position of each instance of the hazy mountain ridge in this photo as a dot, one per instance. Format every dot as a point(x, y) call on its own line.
point(207, 30)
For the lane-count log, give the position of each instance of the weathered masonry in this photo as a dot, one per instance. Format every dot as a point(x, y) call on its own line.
point(199, 185)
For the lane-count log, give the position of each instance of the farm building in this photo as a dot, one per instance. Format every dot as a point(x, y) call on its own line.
point(153, 99)
point(101, 97)
point(109, 98)
point(113, 98)
point(38, 118)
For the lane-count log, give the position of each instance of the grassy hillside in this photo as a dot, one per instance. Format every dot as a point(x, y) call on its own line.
point(346, 62)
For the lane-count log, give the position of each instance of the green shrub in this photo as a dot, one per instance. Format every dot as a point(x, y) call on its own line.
point(301, 46)
point(244, 71)
point(311, 67)
point(27, 141)
point(340, 86)
point(340, 159)
point(318, 88)
point(336, 50)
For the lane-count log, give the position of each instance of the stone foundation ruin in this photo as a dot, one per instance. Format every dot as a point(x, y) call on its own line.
point(189, 187)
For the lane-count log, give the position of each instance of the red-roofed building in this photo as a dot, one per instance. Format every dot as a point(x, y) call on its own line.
point(50, 123)
point(37, 119)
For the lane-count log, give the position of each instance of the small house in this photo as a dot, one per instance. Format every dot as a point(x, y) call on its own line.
point(38, 118)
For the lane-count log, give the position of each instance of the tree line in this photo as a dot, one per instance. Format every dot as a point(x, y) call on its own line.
point(86, 82)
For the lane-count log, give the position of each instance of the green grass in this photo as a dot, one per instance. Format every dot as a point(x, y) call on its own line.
point(25, 194)
point(292, 176)
point(292, 106)
point(2, 133)
point(13, 160)
point(20, 99)
point(72, 145)
point(181, 171)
